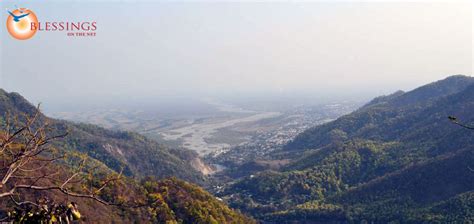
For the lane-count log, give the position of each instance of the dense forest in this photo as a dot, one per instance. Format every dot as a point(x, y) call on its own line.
point(398, 158)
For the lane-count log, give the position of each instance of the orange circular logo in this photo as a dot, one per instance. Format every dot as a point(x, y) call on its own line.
point(19, 23)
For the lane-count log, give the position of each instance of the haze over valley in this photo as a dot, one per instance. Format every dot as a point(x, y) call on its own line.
point(218, 126)
point(237, 112)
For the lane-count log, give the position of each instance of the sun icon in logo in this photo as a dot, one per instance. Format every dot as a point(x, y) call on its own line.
point(19, 23)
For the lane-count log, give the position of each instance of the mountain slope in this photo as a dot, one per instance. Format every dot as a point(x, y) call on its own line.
point(150, 200)
point(138, 155)
point(379, 152)
point(390, 118)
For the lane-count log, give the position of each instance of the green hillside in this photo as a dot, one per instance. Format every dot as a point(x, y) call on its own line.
point(398, 158)
point(136, 198)
point(138, 155)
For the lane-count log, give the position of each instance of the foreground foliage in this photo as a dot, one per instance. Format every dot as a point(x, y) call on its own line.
point(50, 177)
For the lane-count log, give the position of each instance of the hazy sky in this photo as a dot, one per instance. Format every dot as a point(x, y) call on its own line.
point(152, 49)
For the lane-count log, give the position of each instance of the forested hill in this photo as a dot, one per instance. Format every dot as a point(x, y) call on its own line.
point(398, 158)
point(138, 155)
point(101, 195)
point(400, 116)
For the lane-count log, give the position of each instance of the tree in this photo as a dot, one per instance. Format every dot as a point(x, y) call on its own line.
point(28, 162)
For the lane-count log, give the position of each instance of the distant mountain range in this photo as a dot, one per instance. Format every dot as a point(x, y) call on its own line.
point(398, 158)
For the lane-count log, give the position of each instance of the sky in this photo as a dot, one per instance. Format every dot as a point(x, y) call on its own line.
point(147, 50)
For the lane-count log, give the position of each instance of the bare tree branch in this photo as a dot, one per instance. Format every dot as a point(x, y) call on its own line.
point(454, 120)
point(24, 150)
